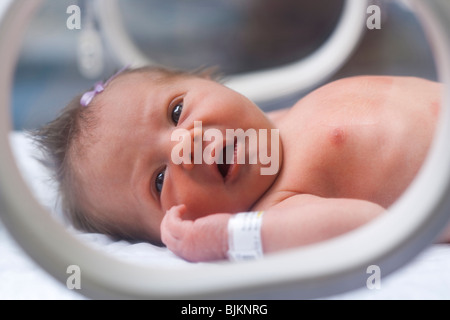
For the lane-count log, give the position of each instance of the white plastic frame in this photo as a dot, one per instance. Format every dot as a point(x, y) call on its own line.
point(261, 85)
point(318, 270)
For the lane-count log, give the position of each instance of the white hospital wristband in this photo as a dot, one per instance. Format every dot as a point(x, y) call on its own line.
point(244, 236)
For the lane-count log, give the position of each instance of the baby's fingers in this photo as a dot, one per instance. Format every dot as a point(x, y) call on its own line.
point(173, 219)
point(172, 225)
point(175, 212)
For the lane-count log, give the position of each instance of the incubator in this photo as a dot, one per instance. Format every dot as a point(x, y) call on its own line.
point(273, 52)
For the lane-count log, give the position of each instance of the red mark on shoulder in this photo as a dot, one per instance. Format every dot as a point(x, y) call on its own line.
point(337, 136)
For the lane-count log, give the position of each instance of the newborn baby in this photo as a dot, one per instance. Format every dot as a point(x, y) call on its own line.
point(146, 157)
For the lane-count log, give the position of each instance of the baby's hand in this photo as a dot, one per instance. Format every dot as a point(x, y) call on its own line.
point(203, 239)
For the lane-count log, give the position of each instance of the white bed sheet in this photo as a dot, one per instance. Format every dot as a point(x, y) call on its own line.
point(427, 277)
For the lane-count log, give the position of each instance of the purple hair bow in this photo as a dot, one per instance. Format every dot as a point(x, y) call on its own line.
point(87, 97)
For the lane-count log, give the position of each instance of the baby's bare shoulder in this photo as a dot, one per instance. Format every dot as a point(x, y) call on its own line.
point(369, 85)
point(277, 115)
point(354, 96)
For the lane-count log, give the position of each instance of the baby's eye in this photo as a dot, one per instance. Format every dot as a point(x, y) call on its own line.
point(159, 181)
point(176, 112)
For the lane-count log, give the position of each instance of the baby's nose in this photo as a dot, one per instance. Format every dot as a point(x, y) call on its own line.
point(197, 146)
point(188, 148)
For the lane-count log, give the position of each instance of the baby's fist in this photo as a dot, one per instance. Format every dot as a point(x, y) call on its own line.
point(203, 239)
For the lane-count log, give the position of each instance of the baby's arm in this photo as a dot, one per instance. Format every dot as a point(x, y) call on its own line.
point(298, 221)
point(306, 219)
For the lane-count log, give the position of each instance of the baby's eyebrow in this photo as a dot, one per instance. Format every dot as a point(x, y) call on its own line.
point(156, 106)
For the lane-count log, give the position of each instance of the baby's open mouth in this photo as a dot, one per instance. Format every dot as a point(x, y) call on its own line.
point(228, 157)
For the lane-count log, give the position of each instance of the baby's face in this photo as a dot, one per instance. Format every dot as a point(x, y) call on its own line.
point(129, 170)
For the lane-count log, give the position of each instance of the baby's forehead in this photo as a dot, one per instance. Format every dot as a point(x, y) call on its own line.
point(157, 76)
point(131, 91)
point(125, 104)
point(137, 85)
point(130, 79)
point(126, 91)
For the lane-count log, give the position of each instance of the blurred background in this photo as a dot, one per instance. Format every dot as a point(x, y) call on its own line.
point(234, 35)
